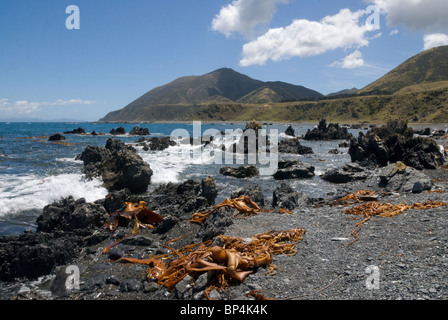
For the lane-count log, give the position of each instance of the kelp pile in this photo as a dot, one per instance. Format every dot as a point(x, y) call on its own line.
point(137, 213)
point(243, 204)
point(372, 209)
point(230, 261)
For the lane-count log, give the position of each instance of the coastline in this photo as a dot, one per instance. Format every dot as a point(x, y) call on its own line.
point(323, 268)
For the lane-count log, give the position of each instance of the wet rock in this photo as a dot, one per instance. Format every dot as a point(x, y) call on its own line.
point(395, 142)
point(253, 192)
point(290, 131)
point(293, 169)
point(348, 173)
point(240, 172)
point(402, 178)
point(286, 197)
point(331, 131)
point(119, 166)
point(118, 131)
point(70, 215)
point(159, 143)
point(76, 131)
point(56, 137)
point(368, 150)
point(137, 131)
point(293, 146)
point(116, 200)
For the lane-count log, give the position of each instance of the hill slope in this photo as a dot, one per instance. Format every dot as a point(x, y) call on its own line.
point(220, 86)
point(426, 67)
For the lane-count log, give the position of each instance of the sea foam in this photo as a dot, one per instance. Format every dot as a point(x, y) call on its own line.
point(29, 192)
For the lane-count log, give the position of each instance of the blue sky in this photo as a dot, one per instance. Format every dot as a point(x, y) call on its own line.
point(125, 48)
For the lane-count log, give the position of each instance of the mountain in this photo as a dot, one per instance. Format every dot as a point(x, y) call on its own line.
point(343, 92)
point(220, 86)
point(430, 66)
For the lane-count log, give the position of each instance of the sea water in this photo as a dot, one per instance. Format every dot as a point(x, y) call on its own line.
point(35, 172)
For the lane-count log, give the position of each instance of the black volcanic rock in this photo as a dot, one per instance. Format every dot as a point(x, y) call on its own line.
point(240, 172)
point(56, 137)
point(331, 131)
point(293, 146)
point(137, 131)
point(119, 166)
point(293, 169)
point(395, 142)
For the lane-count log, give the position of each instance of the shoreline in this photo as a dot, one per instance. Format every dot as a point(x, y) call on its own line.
point(409, 249)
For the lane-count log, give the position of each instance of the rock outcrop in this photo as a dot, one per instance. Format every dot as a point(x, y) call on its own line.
point(392, 143)
point(118, 165)
point(402, 178)
point(331, 131)
point(293, 169)
point(348, 173)
point(293, 146)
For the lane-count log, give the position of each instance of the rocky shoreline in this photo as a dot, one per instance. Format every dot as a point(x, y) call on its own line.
point(403, 257)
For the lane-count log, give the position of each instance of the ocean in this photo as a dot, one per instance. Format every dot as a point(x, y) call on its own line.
point(35, 172)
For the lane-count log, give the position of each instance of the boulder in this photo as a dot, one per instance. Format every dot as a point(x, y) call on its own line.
point(402, 178)
point(240, 172)
point(293, 146)
point(286, 197)
point(348, 173)
point(293, 169)
point(119, 166)
point(331, 131)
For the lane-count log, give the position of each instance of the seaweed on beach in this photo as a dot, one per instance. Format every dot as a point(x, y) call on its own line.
point(372, 209)
point(231, 261)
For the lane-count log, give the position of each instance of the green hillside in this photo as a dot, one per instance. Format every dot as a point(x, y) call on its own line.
point(417, 90)
point(426, 67)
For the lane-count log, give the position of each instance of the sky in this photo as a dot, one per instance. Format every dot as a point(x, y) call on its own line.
point(81, 59)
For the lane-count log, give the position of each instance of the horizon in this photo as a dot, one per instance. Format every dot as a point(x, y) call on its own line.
point(81, 60)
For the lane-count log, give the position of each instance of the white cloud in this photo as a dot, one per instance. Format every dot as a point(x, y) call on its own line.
point(24, 107)
point(416, 15)
point(304, 38)
point(351, 61)
point(394, 32)
point(245, 16)
point(435, 40)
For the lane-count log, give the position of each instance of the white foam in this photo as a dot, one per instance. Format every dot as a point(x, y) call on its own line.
point(167, 165)
point(20, 193)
